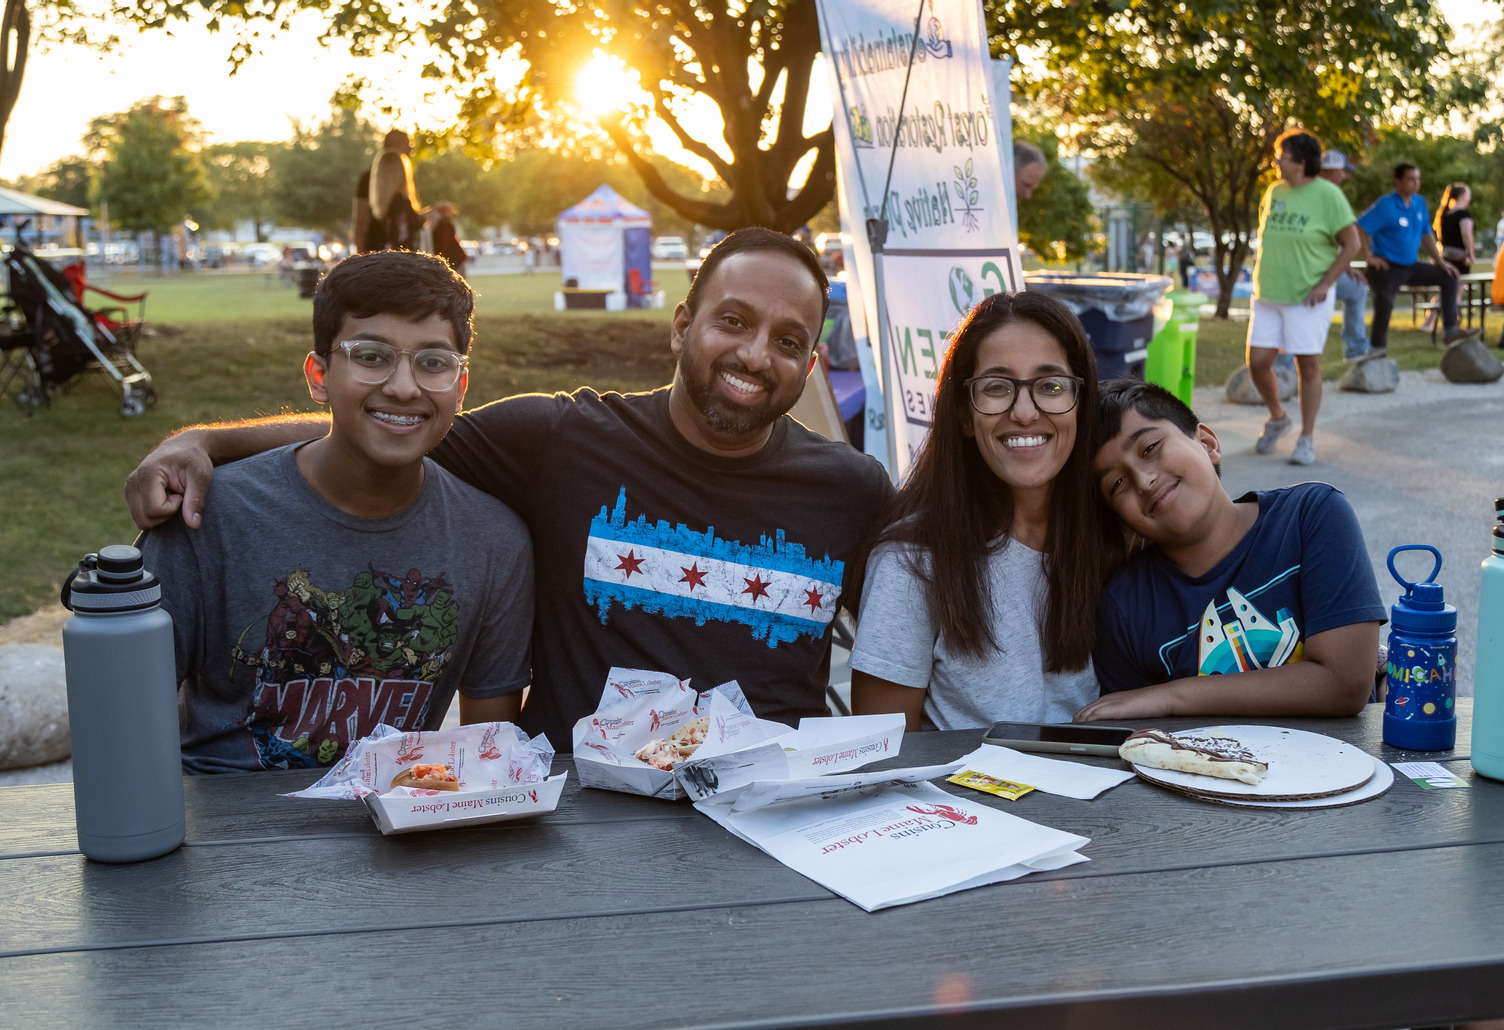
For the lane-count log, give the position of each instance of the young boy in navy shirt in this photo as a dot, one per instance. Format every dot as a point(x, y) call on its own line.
point(1263, 605)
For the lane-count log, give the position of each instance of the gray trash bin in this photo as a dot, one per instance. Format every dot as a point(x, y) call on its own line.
point(1117, 309)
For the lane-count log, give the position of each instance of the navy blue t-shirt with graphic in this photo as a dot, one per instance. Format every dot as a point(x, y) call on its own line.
point(1302, 569)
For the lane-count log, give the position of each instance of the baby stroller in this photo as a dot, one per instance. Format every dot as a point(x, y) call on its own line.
point(48, 339)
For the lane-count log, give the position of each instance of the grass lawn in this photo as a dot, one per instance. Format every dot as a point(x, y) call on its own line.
point(230, 345)
point(1220, 346)
point(196, 297)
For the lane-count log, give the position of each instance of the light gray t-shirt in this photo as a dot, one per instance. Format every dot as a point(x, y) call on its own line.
point(299, 626)
point(898, 640)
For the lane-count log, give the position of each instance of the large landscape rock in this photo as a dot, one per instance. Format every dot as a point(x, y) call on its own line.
point(1376, 375)
point(1240, 388)
point(1470, 361)
point(33, 706)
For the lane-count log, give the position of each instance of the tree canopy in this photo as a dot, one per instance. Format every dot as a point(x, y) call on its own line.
point(150, 172)
point(753, 61)
point(314, 176)
point(1184, 100)
point(240, 186)
point(1057, 222)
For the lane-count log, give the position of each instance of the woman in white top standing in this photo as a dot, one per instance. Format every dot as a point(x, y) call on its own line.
point(980, 597)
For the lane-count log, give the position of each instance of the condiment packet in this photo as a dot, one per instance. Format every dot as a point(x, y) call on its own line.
point(990, 784)
point(1067, 779)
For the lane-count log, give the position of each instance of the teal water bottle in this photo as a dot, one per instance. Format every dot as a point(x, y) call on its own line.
point(1420, 710)
point(1488, 668)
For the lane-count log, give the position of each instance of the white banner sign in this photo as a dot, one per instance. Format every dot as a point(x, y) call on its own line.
point(950, 239)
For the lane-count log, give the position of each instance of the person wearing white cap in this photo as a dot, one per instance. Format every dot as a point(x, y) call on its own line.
point(1352, 288)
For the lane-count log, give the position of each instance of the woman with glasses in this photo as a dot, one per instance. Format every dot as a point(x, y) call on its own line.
point(980, 596)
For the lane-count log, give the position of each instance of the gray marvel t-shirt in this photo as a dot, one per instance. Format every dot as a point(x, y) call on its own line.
point(299, 627)
point(897, 640)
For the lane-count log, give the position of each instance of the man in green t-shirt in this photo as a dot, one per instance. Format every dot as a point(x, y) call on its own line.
point(1307, 239)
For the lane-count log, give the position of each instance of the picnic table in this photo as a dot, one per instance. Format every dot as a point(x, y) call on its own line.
point(1476, 297)
point(623, 911)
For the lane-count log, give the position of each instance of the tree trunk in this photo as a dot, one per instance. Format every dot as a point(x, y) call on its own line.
point(758, 175)
point(15, 38)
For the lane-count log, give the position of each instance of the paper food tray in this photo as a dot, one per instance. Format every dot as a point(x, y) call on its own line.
point(442, 810)
point(638, 705)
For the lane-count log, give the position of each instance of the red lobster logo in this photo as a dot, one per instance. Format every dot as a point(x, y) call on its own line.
point(409, 750)
point(599, 747)
point(624, 690)
point(653, 721)
point(534, 795)
point(945, 812)
point(488, 749)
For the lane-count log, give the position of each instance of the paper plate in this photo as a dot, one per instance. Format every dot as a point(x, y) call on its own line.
point(1301, 765)
point(1383, 779)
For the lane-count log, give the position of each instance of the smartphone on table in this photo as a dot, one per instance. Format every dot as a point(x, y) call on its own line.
point(1058, 737)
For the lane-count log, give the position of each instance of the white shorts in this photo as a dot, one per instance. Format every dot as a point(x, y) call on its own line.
point(1292, 328)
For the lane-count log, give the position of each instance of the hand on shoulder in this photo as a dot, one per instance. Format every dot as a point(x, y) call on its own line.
point(174, 477)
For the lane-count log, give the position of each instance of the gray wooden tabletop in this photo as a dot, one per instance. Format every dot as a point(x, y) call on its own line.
point(621, 911)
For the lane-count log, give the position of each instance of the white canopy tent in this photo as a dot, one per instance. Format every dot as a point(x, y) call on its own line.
point(602, 239)
point(14, 202)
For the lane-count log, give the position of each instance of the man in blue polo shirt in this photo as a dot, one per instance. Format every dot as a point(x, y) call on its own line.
point(1395, 228)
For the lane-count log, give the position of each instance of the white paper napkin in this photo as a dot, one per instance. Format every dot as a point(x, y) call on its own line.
point(1068, 779)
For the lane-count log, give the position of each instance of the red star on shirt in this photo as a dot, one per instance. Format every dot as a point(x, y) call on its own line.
point(756, 587)
point(693, 576)
point(630, 563)
point(812, 599)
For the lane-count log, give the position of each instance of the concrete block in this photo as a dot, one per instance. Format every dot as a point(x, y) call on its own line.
point(1470, 361)
point(33, 706)
point(1240, 388)
point(1376, 375)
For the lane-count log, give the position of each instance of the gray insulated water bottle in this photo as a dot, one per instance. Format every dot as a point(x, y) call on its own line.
point(122, 709)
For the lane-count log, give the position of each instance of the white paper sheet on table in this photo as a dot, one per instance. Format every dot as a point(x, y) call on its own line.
point(892, 840)
point(827, 745)
point(1068, 779)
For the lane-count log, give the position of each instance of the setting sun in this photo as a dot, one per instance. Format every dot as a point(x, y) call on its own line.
point(606, 84)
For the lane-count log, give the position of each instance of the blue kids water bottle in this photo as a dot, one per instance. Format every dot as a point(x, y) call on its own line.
point(1488, 670)
point(1420, 712)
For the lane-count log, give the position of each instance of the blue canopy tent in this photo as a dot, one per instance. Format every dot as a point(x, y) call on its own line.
point(604, 245)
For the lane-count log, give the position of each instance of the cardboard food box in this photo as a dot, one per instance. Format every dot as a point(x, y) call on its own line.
point(638, 707)
point(439, 809)
point(503, 775)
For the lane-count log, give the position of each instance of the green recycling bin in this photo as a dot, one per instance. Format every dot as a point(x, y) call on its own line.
point(1172, 351)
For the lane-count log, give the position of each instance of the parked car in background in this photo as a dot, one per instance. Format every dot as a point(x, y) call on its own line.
point(711, 241)
point(828, 248)
point(670, 248)
point(261, 253)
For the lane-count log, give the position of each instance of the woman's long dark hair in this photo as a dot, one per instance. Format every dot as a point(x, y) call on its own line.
point(953, 509)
